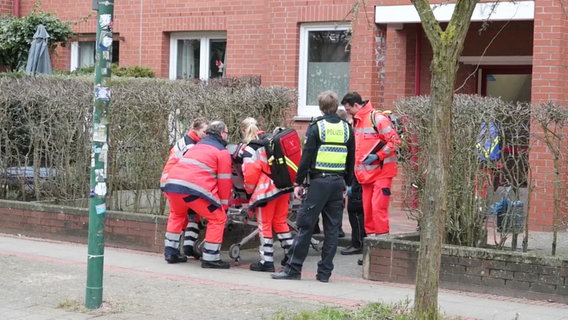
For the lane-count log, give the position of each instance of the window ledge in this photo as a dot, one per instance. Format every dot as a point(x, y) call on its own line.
point(303, 118)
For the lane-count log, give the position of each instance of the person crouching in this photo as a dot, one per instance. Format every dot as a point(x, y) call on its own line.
point(201, 181)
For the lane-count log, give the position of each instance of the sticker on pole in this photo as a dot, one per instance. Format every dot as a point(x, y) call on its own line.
point(101, 208)
point(102, 93)
point(105, 21)
point(99, 132)
point(101, 189)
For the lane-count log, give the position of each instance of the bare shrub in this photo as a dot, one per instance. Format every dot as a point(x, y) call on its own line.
point(473, 181)
point(45, 125)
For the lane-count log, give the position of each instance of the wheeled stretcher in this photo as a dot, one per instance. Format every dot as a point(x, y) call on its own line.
point(239, 212)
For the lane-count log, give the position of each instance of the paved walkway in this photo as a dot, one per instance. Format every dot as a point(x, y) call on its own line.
point(46, 280)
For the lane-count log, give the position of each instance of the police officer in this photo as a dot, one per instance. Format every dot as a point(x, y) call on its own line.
point(327, 159)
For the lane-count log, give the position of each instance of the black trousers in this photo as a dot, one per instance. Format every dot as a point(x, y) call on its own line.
point(357, 222)
point(324, 195)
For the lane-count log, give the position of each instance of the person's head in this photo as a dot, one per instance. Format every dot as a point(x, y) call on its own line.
point(344, 115)
point(199, 125)
point(352, 102)
point(341, 113)
point(218, 128)
point(328, 102)
point(249, 129)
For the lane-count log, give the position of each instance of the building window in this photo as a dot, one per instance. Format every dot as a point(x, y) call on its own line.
point(324, 64)
point(83, 53)
point(197, 55)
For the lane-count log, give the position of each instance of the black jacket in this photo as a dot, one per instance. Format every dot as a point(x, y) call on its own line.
point(312, 144)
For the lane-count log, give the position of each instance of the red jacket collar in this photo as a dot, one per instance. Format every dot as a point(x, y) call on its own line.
point(193, 135)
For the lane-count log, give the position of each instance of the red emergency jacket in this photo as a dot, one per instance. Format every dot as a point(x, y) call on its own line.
point(255, 167)
point(367, 137)
point(179, 148)
point(205, 172)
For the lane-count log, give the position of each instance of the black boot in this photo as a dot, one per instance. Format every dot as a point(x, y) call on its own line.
point(217, 264)
point(190, 252)
point(175, 258)
point(351, 250)
point(262, 266)
point(283, 275)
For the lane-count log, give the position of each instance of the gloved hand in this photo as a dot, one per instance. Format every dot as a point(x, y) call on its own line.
point(370, 159)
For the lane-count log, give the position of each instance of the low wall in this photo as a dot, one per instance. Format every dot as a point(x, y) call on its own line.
point(143, 232)
point(504, 273)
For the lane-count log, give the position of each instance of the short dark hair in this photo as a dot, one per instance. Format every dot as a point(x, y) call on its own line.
point(352, 98)
point(199, 123)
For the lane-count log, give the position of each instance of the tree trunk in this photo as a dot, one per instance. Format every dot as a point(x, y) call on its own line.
point(447, 46)
point(436, 188)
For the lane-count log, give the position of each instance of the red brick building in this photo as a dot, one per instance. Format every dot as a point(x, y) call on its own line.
point(293, 43)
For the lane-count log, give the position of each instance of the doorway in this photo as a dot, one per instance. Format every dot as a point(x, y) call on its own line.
point(510, 83)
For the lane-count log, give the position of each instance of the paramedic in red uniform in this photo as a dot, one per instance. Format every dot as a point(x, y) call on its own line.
point(269, 203)
point(201, 181)
point(327, 158)
point(374, 170)
point(180, 147)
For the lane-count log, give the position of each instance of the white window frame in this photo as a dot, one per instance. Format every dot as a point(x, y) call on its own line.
point(204, 49)
point(74, 55)
point(309, 111)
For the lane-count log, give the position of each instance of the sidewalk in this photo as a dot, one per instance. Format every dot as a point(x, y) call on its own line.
point(46, 280)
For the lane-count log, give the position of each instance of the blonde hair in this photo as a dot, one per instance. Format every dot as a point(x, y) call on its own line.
point(249, 130)
point(328, 102)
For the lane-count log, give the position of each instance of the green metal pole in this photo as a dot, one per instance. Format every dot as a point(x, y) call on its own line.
point(99, 153)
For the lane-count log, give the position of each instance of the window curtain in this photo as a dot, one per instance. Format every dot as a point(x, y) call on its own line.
point(86, 54)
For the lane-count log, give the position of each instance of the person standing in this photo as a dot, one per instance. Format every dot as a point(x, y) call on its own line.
point(376, 141)
point(269, 204)
point(179, 148)
point(327, 158)
point(356, 219)
point(354, 207)
point(201, 181)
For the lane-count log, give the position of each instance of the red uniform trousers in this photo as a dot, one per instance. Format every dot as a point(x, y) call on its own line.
point(376, 198)
point(178, 216)
point(273, 216)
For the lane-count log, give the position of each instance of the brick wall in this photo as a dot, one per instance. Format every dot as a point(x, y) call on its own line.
point(133, 231)
point(364, 69)
point(504, 273)
point(6, 7)
point(549, 83)
point(263, 39)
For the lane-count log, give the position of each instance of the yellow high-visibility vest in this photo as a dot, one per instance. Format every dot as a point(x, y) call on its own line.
point(332, 152)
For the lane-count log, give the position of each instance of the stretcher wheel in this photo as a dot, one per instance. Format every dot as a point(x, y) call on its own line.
point(235, 251)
